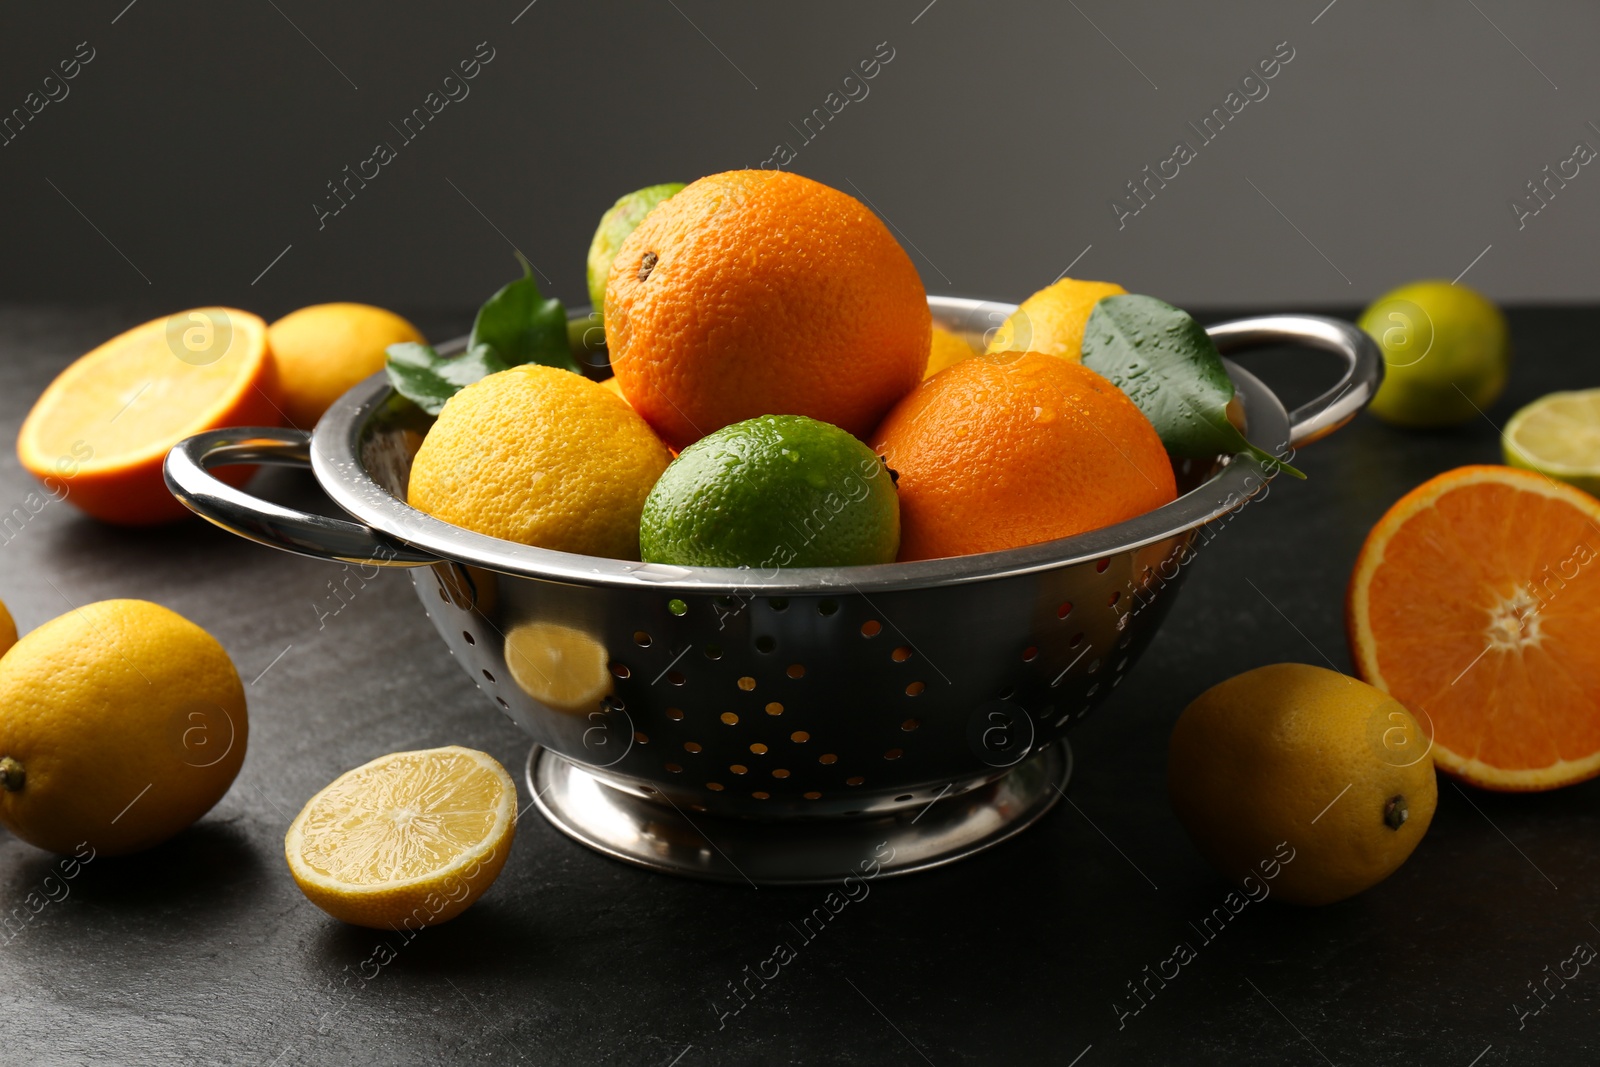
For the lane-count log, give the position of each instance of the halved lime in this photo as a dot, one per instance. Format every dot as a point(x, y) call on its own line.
point(1558, 435)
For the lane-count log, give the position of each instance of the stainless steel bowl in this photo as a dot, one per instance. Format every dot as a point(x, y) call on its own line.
point(779, 727)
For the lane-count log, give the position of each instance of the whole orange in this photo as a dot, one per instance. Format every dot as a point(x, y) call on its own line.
point(760, 292)
point(1004, 450)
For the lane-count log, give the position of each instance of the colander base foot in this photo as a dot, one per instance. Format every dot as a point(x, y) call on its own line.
point(660, 837)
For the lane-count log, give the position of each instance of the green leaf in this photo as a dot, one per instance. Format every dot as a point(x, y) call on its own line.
point(428, 379)
point(1167, 365)
point(514, 326)
point(523, 327)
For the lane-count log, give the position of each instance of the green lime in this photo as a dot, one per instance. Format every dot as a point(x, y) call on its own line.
point(1559, 436)
point(1446, 353)
point(774, 491)
point(615, 225)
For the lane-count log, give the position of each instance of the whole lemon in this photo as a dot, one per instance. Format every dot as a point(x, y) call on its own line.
point(947, 348)
point(1052, 320)
point(1312, 782)
point(8, 630)
point(120, 724)
point(1446, 353)
point(323, 350)
point(541, 456)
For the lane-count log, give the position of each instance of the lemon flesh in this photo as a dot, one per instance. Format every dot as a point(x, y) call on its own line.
point(409, 840)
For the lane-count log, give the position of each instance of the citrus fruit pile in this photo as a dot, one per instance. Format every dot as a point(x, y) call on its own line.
point(771, 334)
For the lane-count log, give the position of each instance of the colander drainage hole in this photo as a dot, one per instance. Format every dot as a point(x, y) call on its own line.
point(827, 607)
point(796, 670)
point(697, 807)
point(1030, 654)
point(747, 683)
point(915, 689)
point(715, 787)
point(641, 737)
point(774, 708)
point(675, 714)
point(641, 639)
point(909, 725)
point(871, 628)
point(799, 737)
point(894, 753)
point(691, 746)
point(758, 749)
point(673, 768)
point(1006, 692)
point(731, 718)
point(765, 644)
point(902, 798)
point(1077, 639)
point(813, 795)
point(502, 702)
point(674, 677)
point(489, 676)
point(621, 670)
point(827, 757)
point(1100, 565)
point(739, 768)
point(1064, 610)
point(759, 795)
point(713, 652)
point(856, 780)
point(779, 603)
point(677, 607)
point(1116, 595)
point(470, 639)
point(901, 654)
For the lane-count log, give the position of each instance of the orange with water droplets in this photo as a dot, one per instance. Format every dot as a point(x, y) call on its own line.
point(1011, 449)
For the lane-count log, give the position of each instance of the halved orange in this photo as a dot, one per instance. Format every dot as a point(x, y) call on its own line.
point(98, 434)
point(1475, 602)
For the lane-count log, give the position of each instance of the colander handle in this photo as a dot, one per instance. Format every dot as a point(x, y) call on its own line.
point(1363, 370)
point(189, 478)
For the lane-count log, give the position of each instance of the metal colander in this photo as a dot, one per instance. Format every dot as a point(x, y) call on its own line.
point(727, 724)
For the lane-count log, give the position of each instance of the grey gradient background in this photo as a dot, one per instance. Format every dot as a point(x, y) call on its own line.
point(189, 153)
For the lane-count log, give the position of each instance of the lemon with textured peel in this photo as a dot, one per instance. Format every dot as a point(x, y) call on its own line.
point(540, 456)
point(323, 350)
point(1052, 320)
point(558, 666)
point(8, 630)
point(409, 840)
point(1298, 776)
point(121, 722)
point(1558, 435)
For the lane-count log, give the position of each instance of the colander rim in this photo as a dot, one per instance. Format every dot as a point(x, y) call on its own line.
point(336, 460)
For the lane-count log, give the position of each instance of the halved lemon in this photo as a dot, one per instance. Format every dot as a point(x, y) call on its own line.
point(1558, 435)
point(98, 434)
point(409, 840)
point(558, 666)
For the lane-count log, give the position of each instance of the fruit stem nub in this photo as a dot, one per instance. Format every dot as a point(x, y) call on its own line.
point(1395, 812)
point(12, 774)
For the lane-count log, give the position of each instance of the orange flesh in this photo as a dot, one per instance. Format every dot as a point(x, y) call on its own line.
point(1476, 603)
point(133, 396)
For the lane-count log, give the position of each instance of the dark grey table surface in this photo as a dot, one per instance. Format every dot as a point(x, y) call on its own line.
point(203, 951)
